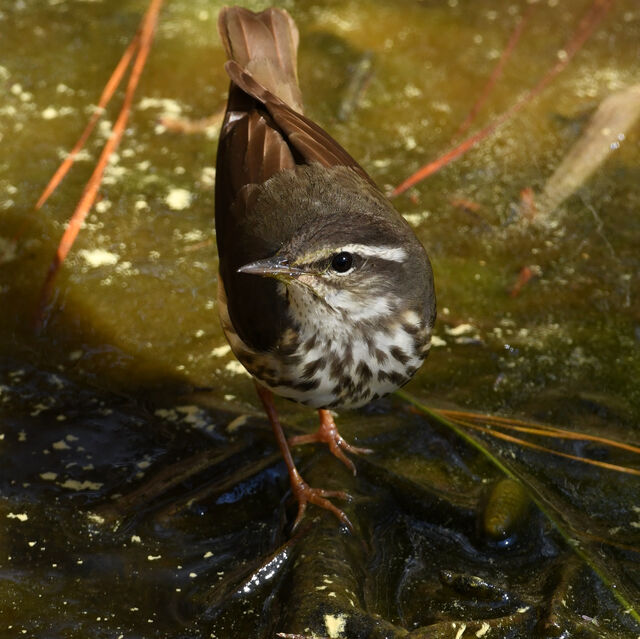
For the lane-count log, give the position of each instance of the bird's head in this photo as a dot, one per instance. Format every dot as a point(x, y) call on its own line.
point(359, 281)
point(342, 242)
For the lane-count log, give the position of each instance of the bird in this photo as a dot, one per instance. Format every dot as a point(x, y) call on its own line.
point(325, 294)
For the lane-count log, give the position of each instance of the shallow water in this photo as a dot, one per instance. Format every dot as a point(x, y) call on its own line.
point(132, 373)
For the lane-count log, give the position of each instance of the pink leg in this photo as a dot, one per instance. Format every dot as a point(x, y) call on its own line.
point(328, 434)
point(302, 492)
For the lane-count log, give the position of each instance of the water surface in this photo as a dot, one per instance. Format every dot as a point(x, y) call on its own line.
point(132, 374)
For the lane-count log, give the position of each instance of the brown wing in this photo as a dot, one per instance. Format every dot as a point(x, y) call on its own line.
point(263, 133)
point(251, 148)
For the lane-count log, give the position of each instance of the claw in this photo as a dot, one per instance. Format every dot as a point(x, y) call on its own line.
point(328, 433)
point(304, 494)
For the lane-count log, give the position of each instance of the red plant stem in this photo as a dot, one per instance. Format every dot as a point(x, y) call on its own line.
point(91, 189)
point(587, 25)
point(107, 94)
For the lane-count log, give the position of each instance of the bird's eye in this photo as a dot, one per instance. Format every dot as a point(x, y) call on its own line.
point(342, 262)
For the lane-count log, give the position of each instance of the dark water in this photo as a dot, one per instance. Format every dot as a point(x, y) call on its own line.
point(131, 377)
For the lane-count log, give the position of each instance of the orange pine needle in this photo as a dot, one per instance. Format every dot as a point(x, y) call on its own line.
point(537, 429)
point(445, 159)
point(147, 29)
point(524, 443)
point(107, 94)
point(587, 25)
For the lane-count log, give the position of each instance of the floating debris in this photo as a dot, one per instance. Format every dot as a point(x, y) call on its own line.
point(98, 257)
point(460, 329)
point(221, 351)
point(178, 199)
point(74, 484)
point(22, 517)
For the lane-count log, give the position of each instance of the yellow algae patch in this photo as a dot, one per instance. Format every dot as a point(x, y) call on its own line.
point(74, 484)
point(335, 625)
point(19, 516)
point(221, 351)
point(178, 199)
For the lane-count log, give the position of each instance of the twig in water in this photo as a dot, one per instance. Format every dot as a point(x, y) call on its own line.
point(144, 38)
point(587, 25)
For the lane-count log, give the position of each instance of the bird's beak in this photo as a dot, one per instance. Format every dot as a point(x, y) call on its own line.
point(276, 266)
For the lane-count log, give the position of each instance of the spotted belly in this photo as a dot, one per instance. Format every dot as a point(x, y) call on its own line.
point(350, 374)
point(326, 366)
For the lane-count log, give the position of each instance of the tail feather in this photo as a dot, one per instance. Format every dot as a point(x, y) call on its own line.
point(265, 45)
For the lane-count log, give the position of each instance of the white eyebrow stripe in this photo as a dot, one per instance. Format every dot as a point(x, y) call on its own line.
point(389, 253)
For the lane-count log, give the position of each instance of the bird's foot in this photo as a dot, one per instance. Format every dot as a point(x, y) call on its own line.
point(305, 494)
point(328, 434)
point(302, 492)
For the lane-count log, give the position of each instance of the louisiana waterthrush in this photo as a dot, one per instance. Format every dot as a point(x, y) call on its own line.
point(325, 294)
